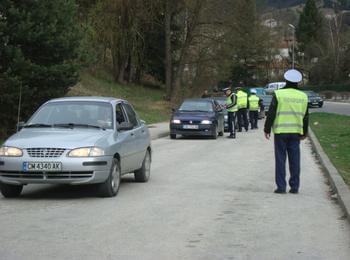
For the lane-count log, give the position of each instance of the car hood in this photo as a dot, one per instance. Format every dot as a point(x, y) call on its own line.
point(193, 115)
point(56, 138)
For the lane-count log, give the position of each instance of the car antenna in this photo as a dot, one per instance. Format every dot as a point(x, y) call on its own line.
point(19, 106)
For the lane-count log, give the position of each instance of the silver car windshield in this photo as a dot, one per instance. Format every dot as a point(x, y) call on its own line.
point(196, 106)
point(74, 113)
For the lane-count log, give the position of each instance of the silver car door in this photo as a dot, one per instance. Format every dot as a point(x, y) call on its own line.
point(140, 136)
point(125, 140)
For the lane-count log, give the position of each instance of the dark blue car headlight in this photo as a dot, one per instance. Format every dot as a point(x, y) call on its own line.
point(176, 121)
point(206, 122)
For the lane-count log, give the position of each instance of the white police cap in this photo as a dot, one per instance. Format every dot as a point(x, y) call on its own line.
point(293, 76)
point(225, 89)
point(253, 91)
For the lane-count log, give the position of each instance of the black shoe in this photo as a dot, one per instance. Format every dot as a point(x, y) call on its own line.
point(293, 191)
point(239, 130)
point(231, 136)
point(279, 191)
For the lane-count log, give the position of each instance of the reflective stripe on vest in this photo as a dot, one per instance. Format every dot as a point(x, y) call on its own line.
point(242, 100)
point(229, 102)
point(291, 109)
point(253, 103)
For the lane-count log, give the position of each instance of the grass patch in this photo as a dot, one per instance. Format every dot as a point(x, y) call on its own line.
point(148, 102)
point(333, 133)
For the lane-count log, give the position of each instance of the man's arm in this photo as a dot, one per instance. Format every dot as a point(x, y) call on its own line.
point(271, 115)
point(306, 122)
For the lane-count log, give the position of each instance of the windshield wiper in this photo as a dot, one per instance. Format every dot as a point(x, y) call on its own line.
point(72, 125)
point(37, 125)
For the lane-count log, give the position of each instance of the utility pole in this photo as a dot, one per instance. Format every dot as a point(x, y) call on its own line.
point(293, 48)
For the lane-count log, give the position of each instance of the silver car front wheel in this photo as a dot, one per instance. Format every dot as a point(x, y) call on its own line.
point(144, 173)
point(110, 187)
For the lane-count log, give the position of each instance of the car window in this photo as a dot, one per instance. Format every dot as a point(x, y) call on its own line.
point(131, 115)
point(74, 112)
point(197, 106)
point(119, 114)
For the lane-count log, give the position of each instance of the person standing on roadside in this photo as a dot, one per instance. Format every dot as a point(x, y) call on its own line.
point(242, 103)
point(231, 107)
point(253, 103)
point(205, 94)
point(288, 117)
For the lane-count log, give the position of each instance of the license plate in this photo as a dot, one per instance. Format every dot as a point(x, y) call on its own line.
point(190, 126)
point(42, 166)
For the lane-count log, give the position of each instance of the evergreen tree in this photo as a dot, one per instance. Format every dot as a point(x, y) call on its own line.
point(309, 29)
point(249, 41)
point(39, 46)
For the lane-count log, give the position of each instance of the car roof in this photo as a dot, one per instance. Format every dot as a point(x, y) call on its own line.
point(87, 98)
point(279, 82)
point(198, 99)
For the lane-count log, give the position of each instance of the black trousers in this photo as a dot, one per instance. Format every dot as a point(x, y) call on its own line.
point(242, 119)
point(231, 120)
point(253, 118)
point(287, 144)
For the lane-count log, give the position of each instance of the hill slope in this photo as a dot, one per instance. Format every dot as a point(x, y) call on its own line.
point(148, 102)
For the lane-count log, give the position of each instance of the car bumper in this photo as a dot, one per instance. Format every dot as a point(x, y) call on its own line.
point(315, 104)
point(203, 130)
point(74, 171)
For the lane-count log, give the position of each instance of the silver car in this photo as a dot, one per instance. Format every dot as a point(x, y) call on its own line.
point(77, 140)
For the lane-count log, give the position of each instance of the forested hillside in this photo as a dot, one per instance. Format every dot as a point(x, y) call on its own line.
point(181, 47)
point(343, 4)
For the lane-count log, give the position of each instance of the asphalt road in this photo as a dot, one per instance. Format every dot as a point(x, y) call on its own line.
point(334, 107)
point(207, 199)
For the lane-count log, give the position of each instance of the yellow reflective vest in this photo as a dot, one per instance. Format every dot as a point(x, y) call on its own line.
point(253, 103)
point(229, 102)
point(242, 99)
point(291, 109)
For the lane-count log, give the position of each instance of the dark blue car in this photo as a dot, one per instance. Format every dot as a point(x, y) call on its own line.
point(197, 117)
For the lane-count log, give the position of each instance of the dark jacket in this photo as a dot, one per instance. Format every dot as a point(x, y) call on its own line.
point(271, 114)
point(233, 100)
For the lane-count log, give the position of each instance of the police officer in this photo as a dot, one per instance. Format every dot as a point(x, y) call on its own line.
point(242, 103)
point(288, 118)
point(231, 107)
point(253, 104)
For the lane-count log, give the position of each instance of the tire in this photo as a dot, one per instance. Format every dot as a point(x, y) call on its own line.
point(10, 191)
point(143, 174)
point(320, 106)
point(110, 187)
point(215, 132)
point(172, 136)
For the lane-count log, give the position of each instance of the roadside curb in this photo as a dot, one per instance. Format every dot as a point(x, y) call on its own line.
point(160, 135)
point(159, 130)
point(338, 101)
point(336, 181)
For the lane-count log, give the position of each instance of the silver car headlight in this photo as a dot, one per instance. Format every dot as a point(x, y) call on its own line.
point(206, 122)
point(7, 151)
point(86, 152)
point(176, 121)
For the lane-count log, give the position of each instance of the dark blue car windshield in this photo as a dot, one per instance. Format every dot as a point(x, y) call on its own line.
point(196, 106)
